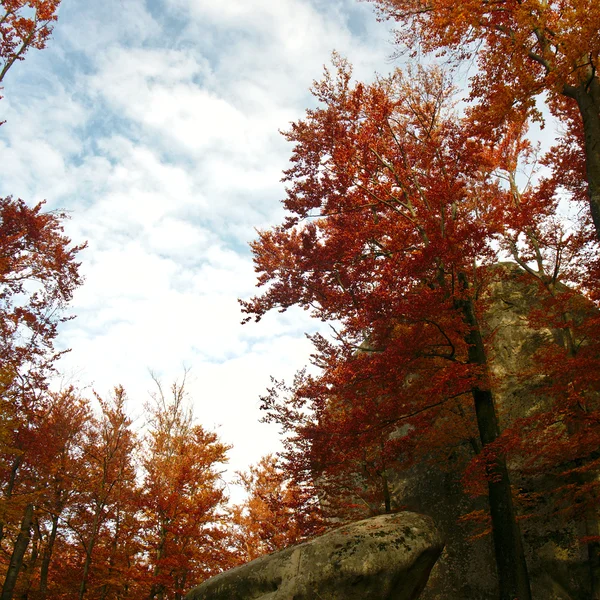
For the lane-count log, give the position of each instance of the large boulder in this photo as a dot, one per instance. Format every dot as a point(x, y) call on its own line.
point(388, 557)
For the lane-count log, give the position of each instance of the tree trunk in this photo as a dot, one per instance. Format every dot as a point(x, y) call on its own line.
point(513, 578)
point(588, 101)
point(157, 590)
point(89, 549)
point(16, 560)
point(387, 498)
point(47, 556)
point(30, 566)
point(113, 553)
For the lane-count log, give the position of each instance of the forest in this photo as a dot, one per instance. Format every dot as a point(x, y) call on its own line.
point(406, 206)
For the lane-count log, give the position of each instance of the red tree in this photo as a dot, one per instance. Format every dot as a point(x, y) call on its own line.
point(524, 50)
point(392, 207)
point(560, 437)
point(38, 274)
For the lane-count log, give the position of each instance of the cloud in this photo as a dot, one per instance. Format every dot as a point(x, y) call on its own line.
point(155, 124)
point(91, 28)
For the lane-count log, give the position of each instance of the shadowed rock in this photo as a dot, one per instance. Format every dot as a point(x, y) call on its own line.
point(388, 557)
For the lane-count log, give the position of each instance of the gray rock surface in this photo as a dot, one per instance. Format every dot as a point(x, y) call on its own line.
point(388, 557)
point(555, 558)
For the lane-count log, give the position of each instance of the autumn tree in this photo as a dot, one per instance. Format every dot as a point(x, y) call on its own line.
point(38, 275)
point(183, 498)
point(108, 459)
point(387, 234)
point(276, 512)
point(38, 272)
point(557, 446)
point(38, 487)
point(559, 436)
point(523, 50)
point(59, 467)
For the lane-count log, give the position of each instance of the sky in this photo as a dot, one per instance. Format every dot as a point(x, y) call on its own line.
point(155, 124)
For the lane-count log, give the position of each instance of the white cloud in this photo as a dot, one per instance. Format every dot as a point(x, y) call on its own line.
point(158, 131)
point(95, 27)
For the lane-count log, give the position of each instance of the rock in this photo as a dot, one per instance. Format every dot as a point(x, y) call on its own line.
point(555, 558)
point(557, 561)
point(388, 557)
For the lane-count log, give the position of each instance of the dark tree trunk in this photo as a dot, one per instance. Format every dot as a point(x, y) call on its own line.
point(587, 96)
point(89, 549)
point(513, 578)
point(113, 554)
point(158, 589)
point(30, 566)
point(46, 558)
point(16, 560)
point(387, 498)
point(10, 485)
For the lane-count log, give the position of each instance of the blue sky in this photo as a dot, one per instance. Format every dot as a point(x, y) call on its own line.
point(155, 124)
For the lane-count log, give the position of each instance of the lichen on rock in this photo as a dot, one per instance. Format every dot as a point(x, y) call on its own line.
point(388, 557)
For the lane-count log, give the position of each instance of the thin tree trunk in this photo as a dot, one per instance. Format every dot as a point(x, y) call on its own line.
point(387, 498)
point(16, 560)
point(113, 553)
point(513, 578)
point(89, 549)
point(47, 556)
point(158, 589)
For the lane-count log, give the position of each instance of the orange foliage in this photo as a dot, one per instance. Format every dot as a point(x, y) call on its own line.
point(523, 50)
point(182, 500)
point(277, 513)
point(396, 207)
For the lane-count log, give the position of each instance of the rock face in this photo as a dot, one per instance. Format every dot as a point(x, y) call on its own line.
point(466, 570)
point(388, 557)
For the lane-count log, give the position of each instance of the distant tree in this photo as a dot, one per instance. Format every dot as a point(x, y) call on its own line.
point(59, 468)
point(276, 513)
point(183, 500)
point(37, 473)
point(108, 468)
